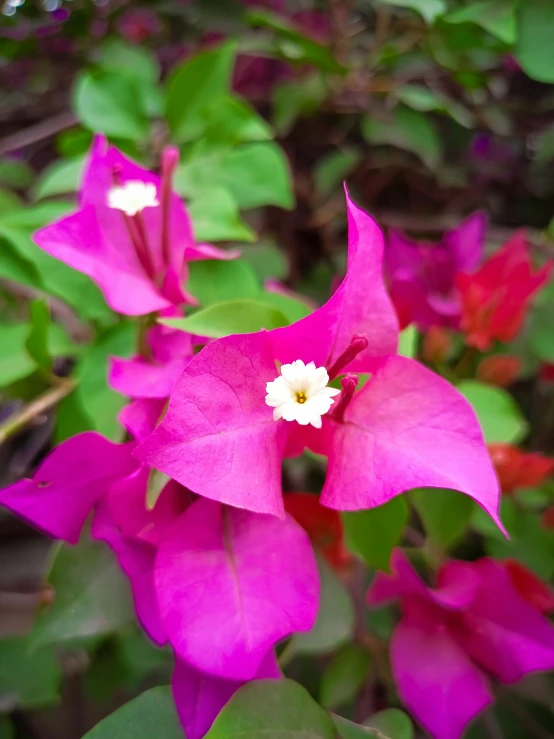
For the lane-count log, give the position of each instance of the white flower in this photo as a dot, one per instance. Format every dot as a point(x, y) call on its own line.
point(133, 196)
point(301, 393)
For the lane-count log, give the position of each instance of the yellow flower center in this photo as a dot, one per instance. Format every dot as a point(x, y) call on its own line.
point(301, 397)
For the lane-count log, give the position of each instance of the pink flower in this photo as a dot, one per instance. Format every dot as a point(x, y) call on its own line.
point(229, 424)
point(131, 235)
point(475, 624)
point(223, 586)
point(149, 378)
point(422, 275)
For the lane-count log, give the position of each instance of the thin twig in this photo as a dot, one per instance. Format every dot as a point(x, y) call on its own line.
point(37, 132)
point(35, 408)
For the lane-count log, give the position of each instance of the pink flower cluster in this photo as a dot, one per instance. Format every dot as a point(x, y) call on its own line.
point(218, 570)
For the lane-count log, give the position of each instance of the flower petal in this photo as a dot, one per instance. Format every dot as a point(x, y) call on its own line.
point(218, 437)
point(258, 570)
point(360, 305)
point(68, 483)
point(407, 428)
point(436, 680)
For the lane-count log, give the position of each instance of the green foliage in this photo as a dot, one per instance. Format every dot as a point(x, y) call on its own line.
point(498, 414)
point(344, 676)
point(99, 403)
point(37, 341)
point(409, 130)
point(428, 9)
point(91, 596)
point(110, 103)
point(275, 709)
point(195, 88)
point(373, 534)
point(393, 723)
point(30, 679)
point(151, 714)
point(213, 281)
point(445, 514)
point(231, 317)
point(335, 618)
point(534, 49)
point(61, 177)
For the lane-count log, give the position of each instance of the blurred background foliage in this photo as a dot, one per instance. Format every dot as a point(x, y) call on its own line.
point(429, 108)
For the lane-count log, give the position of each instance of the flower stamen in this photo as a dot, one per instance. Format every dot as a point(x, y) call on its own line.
point(301, 394)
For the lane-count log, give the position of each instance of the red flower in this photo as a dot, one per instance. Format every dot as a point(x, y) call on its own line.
point(322, 524)
point(517, 469)
point(499, 370)
point(496, 297)
point(529, 586)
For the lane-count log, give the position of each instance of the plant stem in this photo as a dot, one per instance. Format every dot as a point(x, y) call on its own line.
point(35, 408)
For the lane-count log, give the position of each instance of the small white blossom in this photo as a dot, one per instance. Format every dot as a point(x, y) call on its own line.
point(301, 393)
point(133, 196)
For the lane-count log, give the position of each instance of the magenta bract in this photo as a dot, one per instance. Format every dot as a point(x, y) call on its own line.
point(137, 257)
point(474, 624)
point(380, 441)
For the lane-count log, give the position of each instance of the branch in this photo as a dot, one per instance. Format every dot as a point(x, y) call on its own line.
point(35, 408)
point(37, 132)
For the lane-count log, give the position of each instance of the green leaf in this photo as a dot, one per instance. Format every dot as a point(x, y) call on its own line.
point(215, 280)
point(535, 31)
point(111, 103)
point(156, 483)
point(407, 342)
point(498, 413)
point(55, 277)
point(344, 677)
point(33, 680)
point(195, 88)
point(529, 542)
point(15, 173)
point(258, 174)
point(335, 617)
point(295, 99)
point(98, 401)
point(393, 723)
point(373, 534)
point(430, 10)
point(230, 317)
point(273, 709)
point(265, 259)
point(150, 715)
point(541, 336)
point(91, 595)
point(495, 16)
point(409, 130)
point(15, 362)
point(426, 100)
point(349, 730)
point(294, 46)
point(37, 341)
point(233, 121)
point(14, 267)
point(293, 308)
point(62, 176)
point(129, 59)
point(215, 215)
point(445, 514)
point(333, 169)
point(6, 728)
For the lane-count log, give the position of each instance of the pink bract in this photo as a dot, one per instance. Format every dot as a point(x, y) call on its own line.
point(66, 486)
point(422, 275)
point(380, 444)
point(231, 584)
point(96, 239)
point(475, 624)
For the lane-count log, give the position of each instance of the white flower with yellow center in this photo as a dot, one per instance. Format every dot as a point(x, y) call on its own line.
point(133, 196)
point(301, 393)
